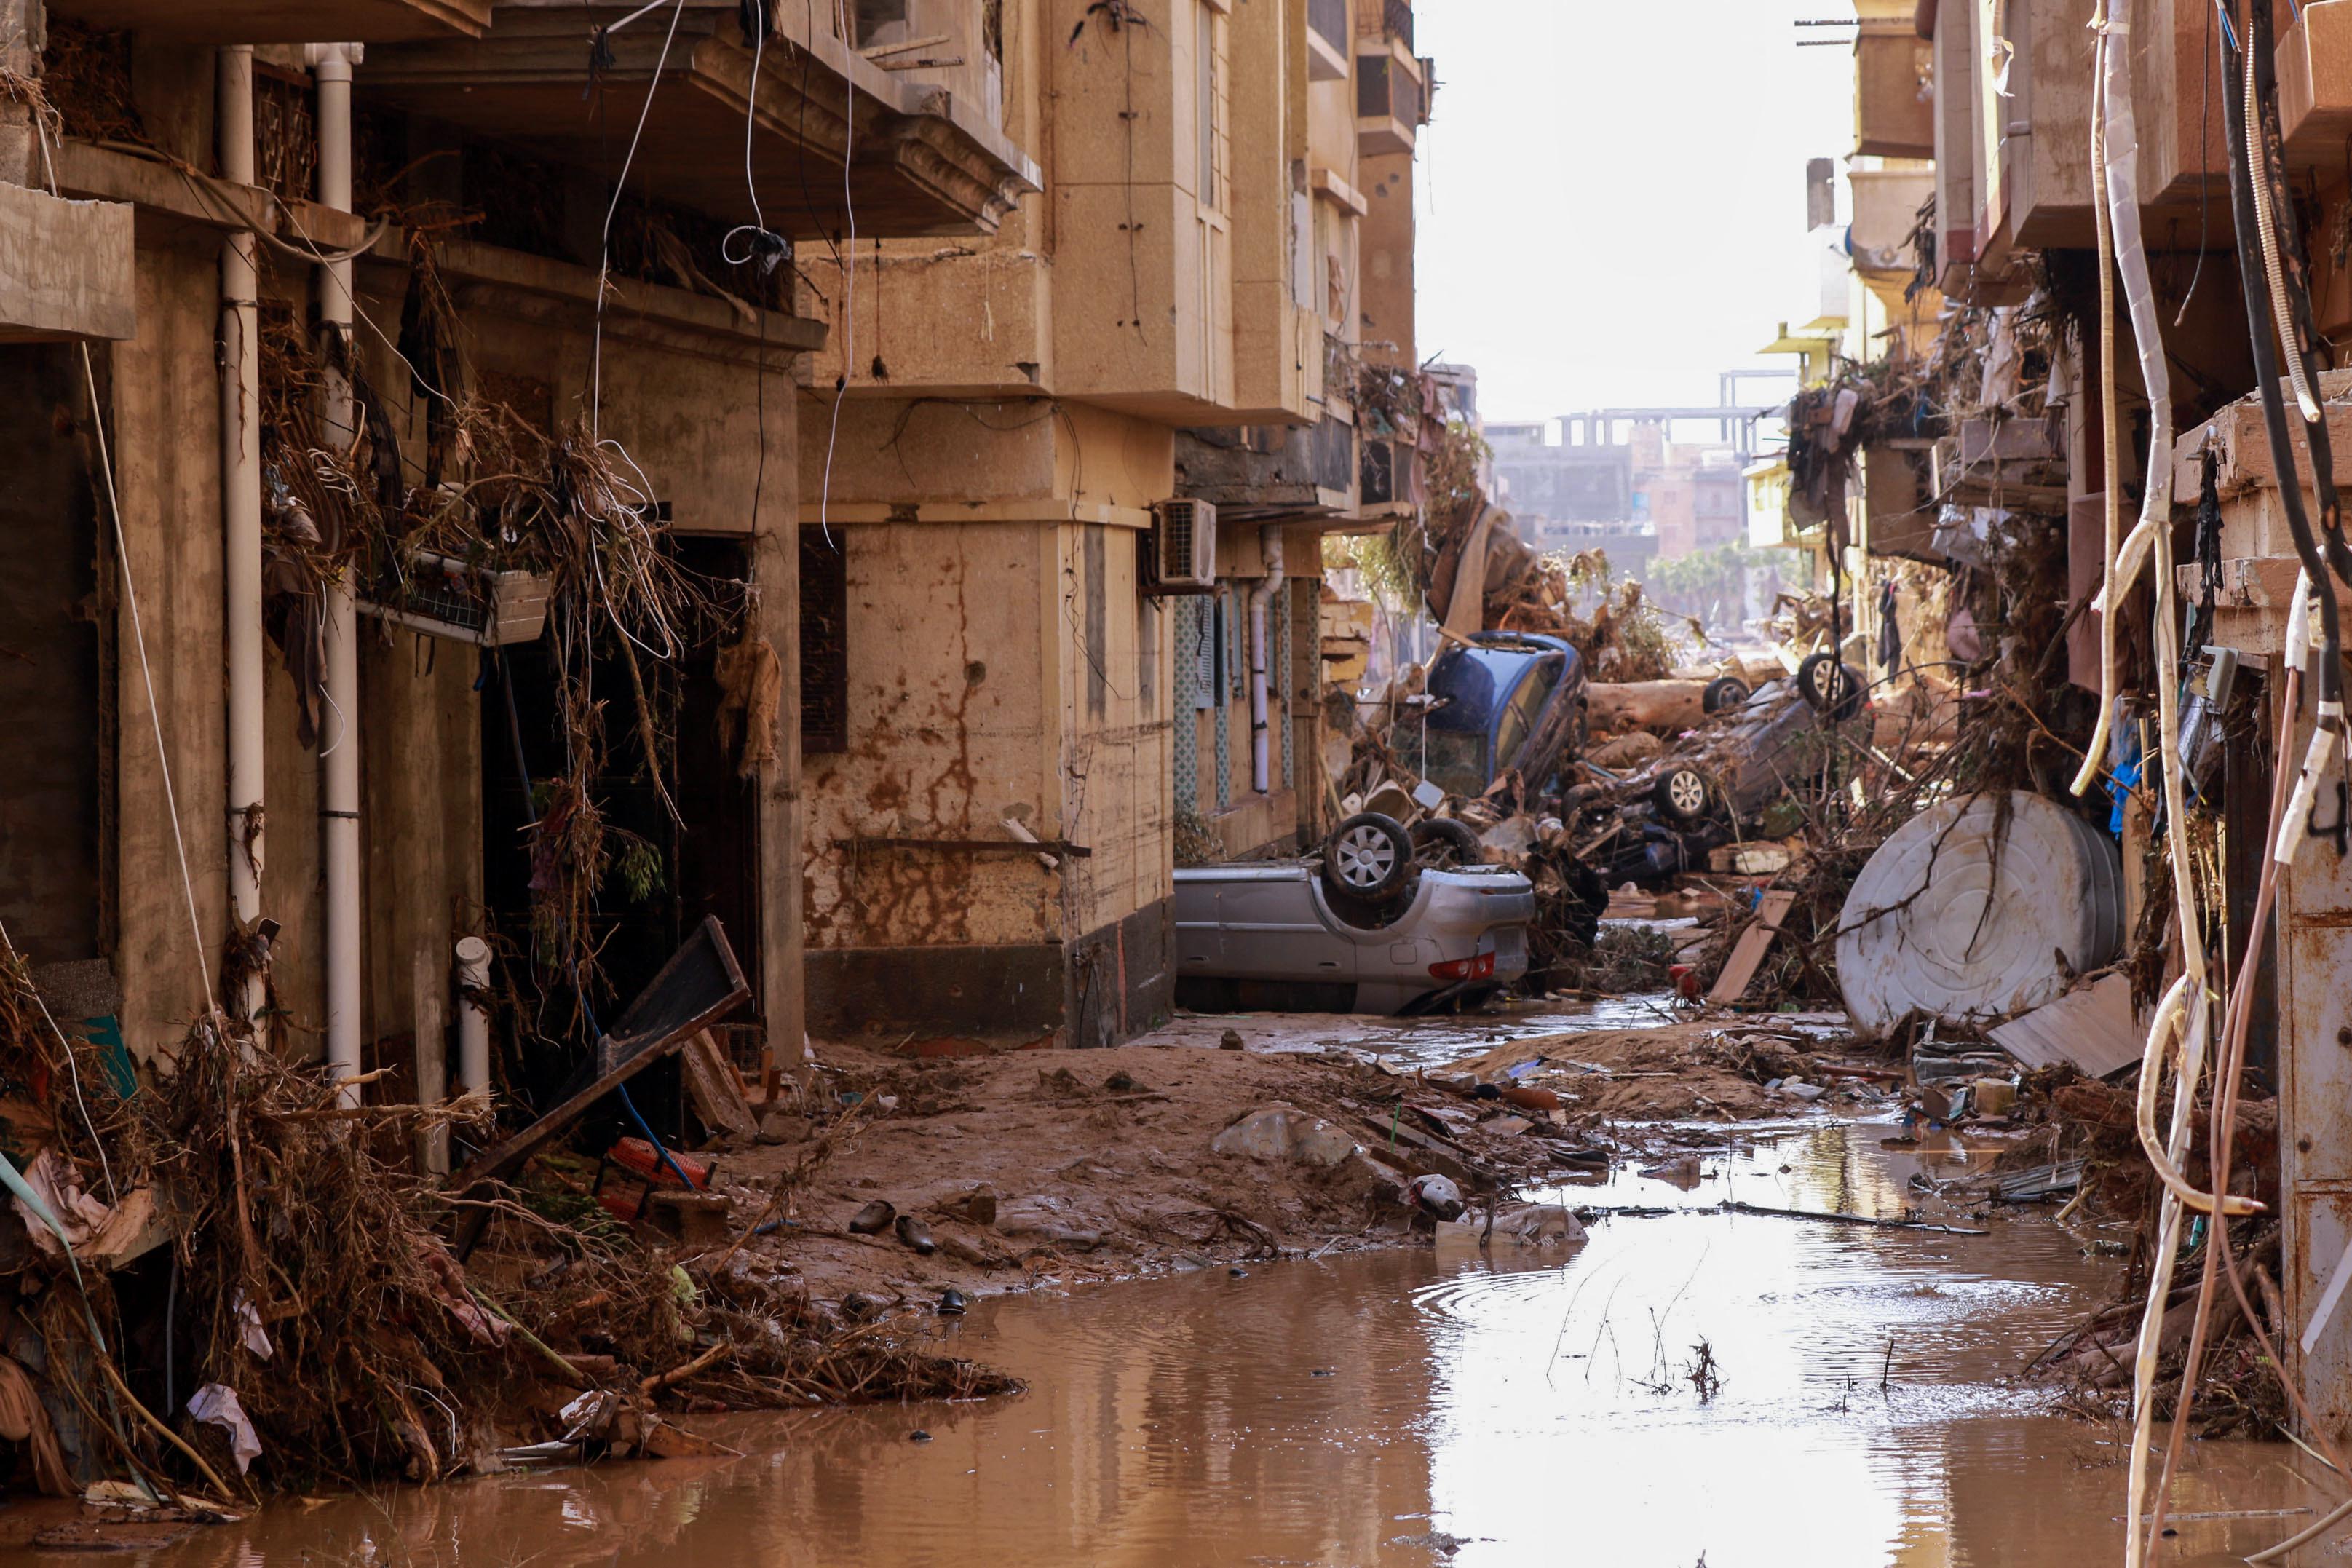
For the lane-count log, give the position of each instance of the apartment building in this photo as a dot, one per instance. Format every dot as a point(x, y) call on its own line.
point(289, 294)
point(1991, 112)
point(1021, 663)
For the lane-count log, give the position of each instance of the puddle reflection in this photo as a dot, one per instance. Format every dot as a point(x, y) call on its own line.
point(1535, 1408)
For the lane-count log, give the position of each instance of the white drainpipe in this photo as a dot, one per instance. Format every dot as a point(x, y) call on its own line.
point(240, 407)
point(339, 762)
point(473, 1024)
point(1270, 547)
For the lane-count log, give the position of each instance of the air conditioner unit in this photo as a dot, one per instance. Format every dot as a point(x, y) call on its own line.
point(1185, 547)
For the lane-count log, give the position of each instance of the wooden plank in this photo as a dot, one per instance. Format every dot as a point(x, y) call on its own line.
point(716, 1088)
point(1747, 954)
point(657, 1022)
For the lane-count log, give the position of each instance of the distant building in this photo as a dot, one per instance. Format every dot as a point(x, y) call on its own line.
point(1641, 497)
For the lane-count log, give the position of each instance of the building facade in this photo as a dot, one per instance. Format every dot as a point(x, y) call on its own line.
point(1177, 315)
point(319, 319)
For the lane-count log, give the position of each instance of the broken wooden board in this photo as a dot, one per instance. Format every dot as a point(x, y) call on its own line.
point(714, 1086)
point(2093, 1029)
point(700, 984)
point(1747, 953)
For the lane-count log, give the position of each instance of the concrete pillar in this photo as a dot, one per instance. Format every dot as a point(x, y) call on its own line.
point(23, 33)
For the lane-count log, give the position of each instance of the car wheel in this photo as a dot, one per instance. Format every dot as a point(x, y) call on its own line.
point(1831, 685)
point(1444, 843)
point(1724, 691)
point(1369, 856)
point(1680, 794)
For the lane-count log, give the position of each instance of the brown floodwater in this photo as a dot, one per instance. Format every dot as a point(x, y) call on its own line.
point(1374, 1409)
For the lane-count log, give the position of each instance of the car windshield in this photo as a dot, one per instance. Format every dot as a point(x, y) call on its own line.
point(1457, 762)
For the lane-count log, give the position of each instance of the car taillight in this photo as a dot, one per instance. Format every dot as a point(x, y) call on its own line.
point(1477, 968)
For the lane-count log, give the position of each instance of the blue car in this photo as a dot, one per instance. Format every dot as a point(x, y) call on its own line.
point(1510, 702)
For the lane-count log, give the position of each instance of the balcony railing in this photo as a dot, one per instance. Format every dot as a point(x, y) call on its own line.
point(1396, 20)
point(1330, 20)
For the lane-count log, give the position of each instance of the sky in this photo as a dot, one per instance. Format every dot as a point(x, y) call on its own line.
point(1613, 194)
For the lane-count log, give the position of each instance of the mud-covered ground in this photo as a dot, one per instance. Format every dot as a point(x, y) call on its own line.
point(1100, 1163)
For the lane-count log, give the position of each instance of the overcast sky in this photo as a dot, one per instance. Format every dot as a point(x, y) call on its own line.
point(1613, 194)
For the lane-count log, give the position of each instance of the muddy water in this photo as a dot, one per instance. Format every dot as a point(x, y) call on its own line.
point(1348, 1411)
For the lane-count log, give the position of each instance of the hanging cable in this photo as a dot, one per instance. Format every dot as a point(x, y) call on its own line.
point(2110, 499)
point(604, 240)
point(2329, 676)
point(2289, 280)
point(849, 297)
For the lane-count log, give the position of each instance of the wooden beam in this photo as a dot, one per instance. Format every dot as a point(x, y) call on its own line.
point(1747, 953)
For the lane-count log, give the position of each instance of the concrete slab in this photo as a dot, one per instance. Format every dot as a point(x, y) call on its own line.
point(65, 269)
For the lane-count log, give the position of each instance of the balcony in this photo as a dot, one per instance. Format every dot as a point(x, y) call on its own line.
point(1396, 21)
point(1326, 40)
point(1263, 473)
point(919, 161)
point(1894, 91)
point(2314, 76)
point(1391, 102)
point(65, 269)
point(1886, 204)
point(284, 21)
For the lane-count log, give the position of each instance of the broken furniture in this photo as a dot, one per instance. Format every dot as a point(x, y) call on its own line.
point(700, 984)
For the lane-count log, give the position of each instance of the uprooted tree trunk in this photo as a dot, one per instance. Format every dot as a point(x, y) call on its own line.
point(1612, 708)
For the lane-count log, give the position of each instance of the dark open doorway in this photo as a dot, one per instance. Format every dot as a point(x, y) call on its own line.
point(666, 872)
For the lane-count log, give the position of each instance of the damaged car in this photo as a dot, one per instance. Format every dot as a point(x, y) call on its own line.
point(1503, 703)
point(1365, 927)
point(1670, 813)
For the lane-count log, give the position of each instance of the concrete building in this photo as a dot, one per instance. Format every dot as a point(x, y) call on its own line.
point(1186, 309)
point(517, 255)
point(2000, 130)
point(1616, 480)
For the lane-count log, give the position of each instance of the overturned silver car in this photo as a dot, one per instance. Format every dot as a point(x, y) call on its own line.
point(1361, 929)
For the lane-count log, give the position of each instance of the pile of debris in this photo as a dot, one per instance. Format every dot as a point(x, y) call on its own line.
point(222, 1284)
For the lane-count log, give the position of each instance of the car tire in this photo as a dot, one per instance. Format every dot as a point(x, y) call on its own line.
point(1445, 844)
point(1831, 685)
point(1680, 794)
point(1367, 856)
point(1725, 691)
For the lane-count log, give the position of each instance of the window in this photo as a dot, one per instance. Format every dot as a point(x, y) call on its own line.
point(1520, 717)
point(876, 19)
point(824, 643)
point(1209, 109)
point(1330, 20)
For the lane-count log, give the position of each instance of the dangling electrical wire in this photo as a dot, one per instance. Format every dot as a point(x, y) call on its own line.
point(2241, 61)
point(2289, 276)
point(850, 300)
point(2178, 1032)
point(2240, 113)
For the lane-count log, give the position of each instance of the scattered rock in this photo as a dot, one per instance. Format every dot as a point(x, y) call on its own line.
point(1046, 1220)
point(1285, 1132)
point(1539, 1224)
point(874, 1219)
point(1231, 1040)
point(782, 1127)
point(978, 1207)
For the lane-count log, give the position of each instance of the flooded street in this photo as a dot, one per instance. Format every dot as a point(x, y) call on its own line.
point(1379, 1408)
